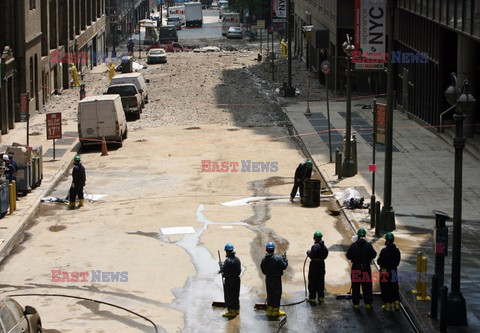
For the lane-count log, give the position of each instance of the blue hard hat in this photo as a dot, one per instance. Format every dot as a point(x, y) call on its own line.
point(229, 247)
point(270, 246)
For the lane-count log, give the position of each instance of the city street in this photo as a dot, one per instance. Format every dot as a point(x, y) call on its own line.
point(148, 236)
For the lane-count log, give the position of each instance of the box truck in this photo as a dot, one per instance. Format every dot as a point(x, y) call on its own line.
point(230, 20)
point(193, 14)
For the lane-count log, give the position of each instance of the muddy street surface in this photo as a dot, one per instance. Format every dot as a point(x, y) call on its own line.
point(154, 219)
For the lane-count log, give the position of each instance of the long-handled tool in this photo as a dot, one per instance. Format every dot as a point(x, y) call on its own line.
point(263, 306)
point(220, 304)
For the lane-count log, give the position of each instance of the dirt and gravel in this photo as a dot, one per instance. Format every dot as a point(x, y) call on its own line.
point(192, 89)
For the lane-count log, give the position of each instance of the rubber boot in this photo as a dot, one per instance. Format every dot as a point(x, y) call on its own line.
point(80, 203)
point(397, 305)
point(311, 300)
point(230, 313)
point(71, 205)
point(386, 307)
point(356, 306)
point(321, 299)
point(291, 199)
point(277, 313)
point(237, 312)
point(368, 306)
point(269, 310)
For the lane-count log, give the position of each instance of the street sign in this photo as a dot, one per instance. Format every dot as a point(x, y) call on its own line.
point(381, 113)
point(24, 106)
point(325, 66)
point(54, 125)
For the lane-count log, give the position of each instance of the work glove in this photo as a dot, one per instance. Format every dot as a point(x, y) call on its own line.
point(73, 185)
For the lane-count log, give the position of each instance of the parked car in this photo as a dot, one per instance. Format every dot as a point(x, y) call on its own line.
point(13, 318)
point(175, 21)
point(135, 78)
point(234, 32)
point(168, 33)
point(101, 117)
point(156, 56)
point(131, 98)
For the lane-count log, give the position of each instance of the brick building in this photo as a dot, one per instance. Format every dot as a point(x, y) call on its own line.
point(32, 33)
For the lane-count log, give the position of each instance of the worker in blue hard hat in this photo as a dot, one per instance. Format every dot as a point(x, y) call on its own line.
point(316, 270)
point(388, 260)
point(361, 254)
point(303, 171)
point(273, 266)
point(231, 269)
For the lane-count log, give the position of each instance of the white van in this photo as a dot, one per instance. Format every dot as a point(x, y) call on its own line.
point(100, 116)
point(135, 78)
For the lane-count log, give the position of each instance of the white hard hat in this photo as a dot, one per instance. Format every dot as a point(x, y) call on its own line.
point(5, 157)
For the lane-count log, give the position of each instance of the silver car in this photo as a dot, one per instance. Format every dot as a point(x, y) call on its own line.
point(234, 32)
point(13, 318)
point(156, 56)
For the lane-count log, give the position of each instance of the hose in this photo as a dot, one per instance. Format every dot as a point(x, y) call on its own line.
point(92, 300)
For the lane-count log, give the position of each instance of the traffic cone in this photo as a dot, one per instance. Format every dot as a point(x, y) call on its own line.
point(104, 147)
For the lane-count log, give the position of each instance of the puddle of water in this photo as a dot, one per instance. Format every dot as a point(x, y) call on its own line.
point(56, 228)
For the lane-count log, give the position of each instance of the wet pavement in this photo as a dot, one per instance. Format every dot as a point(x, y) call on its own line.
point(422, 181)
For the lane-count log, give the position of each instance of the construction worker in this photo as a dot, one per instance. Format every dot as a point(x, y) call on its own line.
point(273, 266)
point(78, 182)
point(303, 171)
point(12, 168)
point(361, 254)
point(316, 271)
point(388, 260)
point(231, 269)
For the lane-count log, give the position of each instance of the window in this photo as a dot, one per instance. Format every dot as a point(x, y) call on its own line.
point(33, 4)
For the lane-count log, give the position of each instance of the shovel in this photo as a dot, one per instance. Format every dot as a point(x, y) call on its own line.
point(220, 304)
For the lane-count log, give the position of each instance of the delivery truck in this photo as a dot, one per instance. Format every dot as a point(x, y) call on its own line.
point(230, 20)
point(178, 11)
point(193, 14)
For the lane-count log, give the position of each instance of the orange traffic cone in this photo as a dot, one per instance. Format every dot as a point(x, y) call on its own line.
point(104, 147)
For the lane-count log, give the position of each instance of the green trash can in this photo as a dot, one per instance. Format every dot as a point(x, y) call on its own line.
point(311, 193)
point(4, 199)
point(24, 184)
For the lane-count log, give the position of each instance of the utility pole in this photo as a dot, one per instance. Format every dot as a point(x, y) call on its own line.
point(387, 214)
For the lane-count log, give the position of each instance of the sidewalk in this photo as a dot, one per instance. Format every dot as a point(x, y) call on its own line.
point(423, 172)
point(13, 225)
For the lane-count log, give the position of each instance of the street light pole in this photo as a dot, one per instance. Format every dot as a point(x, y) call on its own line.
point(348, 169)
point(387, 214)
point(457, 308)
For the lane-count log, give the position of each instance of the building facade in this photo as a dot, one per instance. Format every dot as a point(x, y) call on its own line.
point(38, 40)
point(447, 30)
point(123, 16)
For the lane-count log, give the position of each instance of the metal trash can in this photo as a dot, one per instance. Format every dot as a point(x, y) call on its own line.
point(311, 193)
point(4, 199)
point(127, 64)
point(24, 178)
point(39, 154)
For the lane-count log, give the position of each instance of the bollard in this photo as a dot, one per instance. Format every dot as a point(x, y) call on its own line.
point(378, 221)
point(354, 152)
point(434, 304)
point(337, 151)
point(338, 164)
point(372, 212)
point(419, 268)
point(443, 308)
point(11, 197)
point(423, 281)
point(14, 183)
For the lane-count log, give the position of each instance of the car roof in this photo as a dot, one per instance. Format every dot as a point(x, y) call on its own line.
point(119, 76)
point(100, 98)
point(234, 28)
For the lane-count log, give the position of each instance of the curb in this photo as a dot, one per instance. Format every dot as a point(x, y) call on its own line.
point(10, 243)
